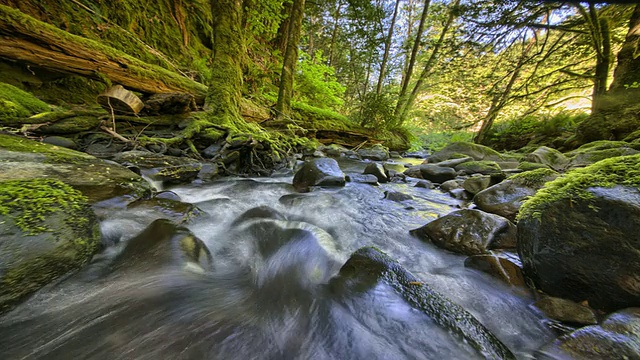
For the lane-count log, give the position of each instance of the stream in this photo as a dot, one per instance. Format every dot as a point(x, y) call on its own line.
point(266, 294)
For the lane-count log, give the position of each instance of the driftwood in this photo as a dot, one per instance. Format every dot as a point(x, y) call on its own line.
point(43, 45)
point(120, 101)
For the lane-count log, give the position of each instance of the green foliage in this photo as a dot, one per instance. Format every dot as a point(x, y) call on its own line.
point(264, 17)
point(517, 132)
point(435, 141)
point(316, 84)
point(15, 103)
point(376, 111)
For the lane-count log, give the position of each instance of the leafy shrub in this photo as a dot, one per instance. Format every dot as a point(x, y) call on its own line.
point(376, 111)
point(316, 84)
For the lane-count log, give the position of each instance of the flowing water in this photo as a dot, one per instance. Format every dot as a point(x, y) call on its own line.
point(268, 301)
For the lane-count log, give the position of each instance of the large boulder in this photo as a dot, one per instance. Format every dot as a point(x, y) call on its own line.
point(479, 167)
point(469, 232)
point(579, 237)
point(505, 198)
point(437, 174)
point(377, 153)
point(617, 337)
point(464, 149)
point(368, 267)
point(97, 179)
point(318, 172)
point(593, 152)
point(48, 229)
point(548, 156)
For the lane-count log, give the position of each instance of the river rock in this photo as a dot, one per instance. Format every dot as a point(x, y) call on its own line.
point(452, 163)
point(335, 150)
point(169, 208)
point(425, 184)
point(172, 175)
point(397, 196)
point(414, 172)
point(450, 185)
point(479, 167)
point(505, 198)
point(475, 184)
point(164, 243)
point(362, 179)
point(458, 150)
point(48, 229)
point(97, 179)
point(617, 337)
point(593, 152)
point(579, 237)
point(376, 153)
point(469, 232)
point(566, 311)
point(437, 174)
point(60, 141)
point(368, 266)
point(378, 171)
point(318, 172)
point(497, 266)
point(548, 156)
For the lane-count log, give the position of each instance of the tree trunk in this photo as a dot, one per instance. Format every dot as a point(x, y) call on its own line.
point(223, 97)
point(628, 69)
point(283, 107)
point(602, 66)
point(412, 59)
point(387, 48)
point(334, 33)
point(406, 105)
point(39, 44)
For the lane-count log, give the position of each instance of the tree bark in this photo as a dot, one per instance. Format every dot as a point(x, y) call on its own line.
point(405, 105)
point(387, 48)
point(628, 69)
point(334, 33)
point(26, 39)
point(283, 107)
point(414, 54)
point(223, 97)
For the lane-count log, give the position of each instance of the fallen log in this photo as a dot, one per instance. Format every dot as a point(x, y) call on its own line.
point(26, 39)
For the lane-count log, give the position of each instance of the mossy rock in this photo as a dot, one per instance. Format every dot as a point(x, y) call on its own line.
point(71, 125)
point(595, 151)
point(577, 237)
point(548, 156)
point(17, 104)
point(464, 149)
point(48, 230)
point(24, 159)
point(528, 166)
point(616, 124)
point(479, 167)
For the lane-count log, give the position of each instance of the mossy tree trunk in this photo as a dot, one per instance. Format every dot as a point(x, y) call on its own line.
point(225, 92)
point(283, 107)
point(628, 69)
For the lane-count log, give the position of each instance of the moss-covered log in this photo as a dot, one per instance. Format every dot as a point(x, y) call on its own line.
point(32, 41)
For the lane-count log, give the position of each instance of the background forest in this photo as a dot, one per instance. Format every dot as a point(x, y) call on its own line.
point(502, 73)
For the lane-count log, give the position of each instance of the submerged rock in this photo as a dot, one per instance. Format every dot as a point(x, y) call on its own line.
point(566, 311)
point(497, 266)
point(618, 337)
point(469, 232)
point(48, 229)
point(362, 179)
point(579, 237)
point(397, 196)
point(164, 243)
point(368, 266)
point(318, 172)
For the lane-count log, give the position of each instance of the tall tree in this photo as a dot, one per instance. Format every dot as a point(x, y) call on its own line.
point(412, 59)
point(283, 107)
point(223, 97)
point(628, 69)
point(387, 48)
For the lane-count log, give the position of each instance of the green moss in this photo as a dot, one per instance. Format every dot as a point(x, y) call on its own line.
point(53, 153)
point(13, 17)
point(598, 145)
point(535, 178)
point(28, 202)
point(624, 170)
point(528, 166)
point(16, 103)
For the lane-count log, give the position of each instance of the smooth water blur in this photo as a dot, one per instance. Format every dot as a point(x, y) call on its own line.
point(267, 295)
